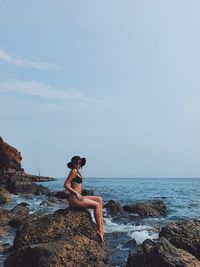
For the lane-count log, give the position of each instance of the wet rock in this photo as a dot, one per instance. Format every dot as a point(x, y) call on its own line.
point(113, 208)
point(4, 196)
point(65, 238)
point(19, 214)
point(185, 235)
point(15, 216)
point(151, 208)
point(160, 253)
point(87, 192)
point(129, 244)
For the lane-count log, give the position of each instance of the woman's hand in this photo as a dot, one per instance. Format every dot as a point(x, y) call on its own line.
point(78, 195)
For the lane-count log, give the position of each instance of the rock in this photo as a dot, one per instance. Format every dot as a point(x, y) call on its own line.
point(10, 164)
point(10, 157)
point(151, 208)
point(19, 214)
point(19, 185)
point(4, 248)
point(76, 251)
point(60, 194)
point(65, 238)
point(160, 253)
point(185, 235)
point(14, 217)
point(62, 223)
point(4, 196)
point(113, 208)
point(87, 192)
point(51, 201)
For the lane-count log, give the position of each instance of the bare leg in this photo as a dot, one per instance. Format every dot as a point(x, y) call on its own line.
point(98, 218)
point(88, 203)
point(99, 200)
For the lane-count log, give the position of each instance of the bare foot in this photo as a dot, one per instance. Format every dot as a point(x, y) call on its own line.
point(101, 234)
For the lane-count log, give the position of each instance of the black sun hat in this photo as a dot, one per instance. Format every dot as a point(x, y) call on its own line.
point(74, 160)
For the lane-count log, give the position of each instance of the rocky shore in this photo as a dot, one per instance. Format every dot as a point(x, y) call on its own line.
point(178, 245)
point(68, 236)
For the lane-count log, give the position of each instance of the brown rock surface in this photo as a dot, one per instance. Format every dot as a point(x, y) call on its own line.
point(150, 208)
point(185, 235)
point(10, 157)
point(4, 196)
point(65, 238)
point(160, 253)
point(15, 216)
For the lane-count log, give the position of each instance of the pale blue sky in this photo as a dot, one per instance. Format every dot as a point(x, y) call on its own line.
point(114, 81)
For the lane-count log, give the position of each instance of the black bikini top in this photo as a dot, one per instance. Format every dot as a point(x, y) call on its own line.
point(77, 179)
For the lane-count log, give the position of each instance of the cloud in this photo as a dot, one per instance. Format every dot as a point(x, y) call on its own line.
point(10, 58)
point(35, 88)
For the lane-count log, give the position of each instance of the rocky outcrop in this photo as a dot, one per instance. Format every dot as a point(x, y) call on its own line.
point(178, 245)
point(20, 185)
point(65, 238)
point(113, 208)
point(151, 208)
point(10, 164)
point(160, 253)
point(185, 235)
point(4, 196)
point(10, 157)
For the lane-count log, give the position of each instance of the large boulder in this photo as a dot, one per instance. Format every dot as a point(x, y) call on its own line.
point(160, 253)
point(184, 234)
point(76, 251)
point(67, 238)
point(150, 208)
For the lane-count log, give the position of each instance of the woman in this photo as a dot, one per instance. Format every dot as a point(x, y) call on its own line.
point(73, 184)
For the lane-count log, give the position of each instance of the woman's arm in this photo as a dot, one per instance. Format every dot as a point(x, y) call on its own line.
point(67, 183)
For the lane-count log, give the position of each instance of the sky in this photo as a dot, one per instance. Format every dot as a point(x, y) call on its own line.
point(114, 81)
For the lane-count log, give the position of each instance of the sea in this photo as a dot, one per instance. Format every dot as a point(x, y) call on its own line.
point(124, 232)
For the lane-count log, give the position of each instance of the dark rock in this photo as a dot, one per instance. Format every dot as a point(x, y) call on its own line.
point(51, 201)
point(14, 217)
point(25, 187)
point(60, 194)
point(129, 243)
point(113, 208)
point(65, 238)
point(4, 196)
point(151, 208)
point(87, 192)
point(185, 235)
point(160, 253)
point(19, 213)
